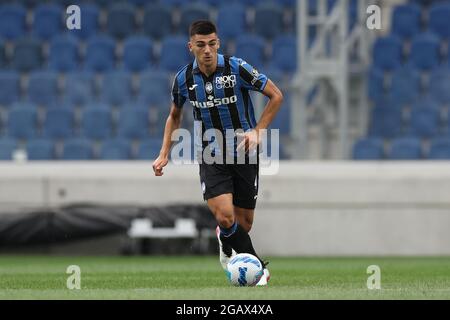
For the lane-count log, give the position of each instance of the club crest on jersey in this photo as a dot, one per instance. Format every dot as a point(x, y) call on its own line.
point(225, 82)
point(209, 87)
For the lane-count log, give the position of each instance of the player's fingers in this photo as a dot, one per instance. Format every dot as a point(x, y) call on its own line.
point(241, 146)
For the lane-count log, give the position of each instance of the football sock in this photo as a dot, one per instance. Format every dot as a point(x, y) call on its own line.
point(239, 240)
point(226, 248)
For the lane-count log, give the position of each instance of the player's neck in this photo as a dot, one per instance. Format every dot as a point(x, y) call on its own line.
point(208, 70)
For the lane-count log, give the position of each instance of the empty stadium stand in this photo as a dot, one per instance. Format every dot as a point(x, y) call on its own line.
point(103, 91)
point(408, 86)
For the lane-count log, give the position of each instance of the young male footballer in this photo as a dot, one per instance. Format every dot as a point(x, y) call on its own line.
point(217, 87)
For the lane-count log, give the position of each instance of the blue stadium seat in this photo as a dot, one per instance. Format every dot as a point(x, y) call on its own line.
point(154, 88)
point(140, 2)
point(2, 54)
point(439, 20)
point(100, 53)
point(174, 53)
point(133, 123)
point(137, 53)
point(406, 20)
point(9, 87)
point(89, 21)
point(121, 20)
point(7, 148)
point(40, 149)
point(32, 3)
point(251, 48)
point(63, 54)
point(96, 123)
point(47, 20)
point(405, 149)
point(58, 123)
point(149, 149)
point(424, 122)
point(368, 149)
point(191, 12)
point(22, 122)
point(282, 120)
point(231, 20)
point(439, 149)
point(27, 54)
point(376, 84)
point(79, 88)
point(43, 87)
point(289, 3)
point(448, 53)
point(174, 2)
point(439, 85)
point(157, 20)
point(268, 14)
point(116, 88)
point(425, 51)
point(77, 149)
point(387, 52)
point(276, 75)
point(405, 86)
point(284, 56)
point(116, 149)
point(12, 21)
point(386, 121)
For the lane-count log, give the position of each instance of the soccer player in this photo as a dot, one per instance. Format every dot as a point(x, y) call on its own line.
point(217, 87)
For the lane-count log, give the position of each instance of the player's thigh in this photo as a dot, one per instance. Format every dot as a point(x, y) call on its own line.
point(245, 186)
point(215, 180)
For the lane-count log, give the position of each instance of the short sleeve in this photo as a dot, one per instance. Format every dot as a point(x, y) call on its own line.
point(177, 97)
point(251, 79)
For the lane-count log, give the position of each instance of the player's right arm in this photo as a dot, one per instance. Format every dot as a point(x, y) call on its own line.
point(173, 122)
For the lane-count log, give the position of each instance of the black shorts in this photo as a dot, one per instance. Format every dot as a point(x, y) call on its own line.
point(241, 180)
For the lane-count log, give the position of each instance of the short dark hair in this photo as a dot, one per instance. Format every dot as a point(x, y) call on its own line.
point(203, 27)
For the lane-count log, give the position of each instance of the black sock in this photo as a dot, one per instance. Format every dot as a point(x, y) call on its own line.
point(240, 241)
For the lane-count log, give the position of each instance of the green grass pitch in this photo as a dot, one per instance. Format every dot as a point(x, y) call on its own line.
point(148, 277)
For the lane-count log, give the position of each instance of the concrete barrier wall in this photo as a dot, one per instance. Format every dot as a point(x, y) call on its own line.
point(308, 208)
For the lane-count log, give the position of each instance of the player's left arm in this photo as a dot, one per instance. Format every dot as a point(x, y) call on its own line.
point(253, 137)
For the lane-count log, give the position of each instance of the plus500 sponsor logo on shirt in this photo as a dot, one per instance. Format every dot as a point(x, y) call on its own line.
point(214, 102)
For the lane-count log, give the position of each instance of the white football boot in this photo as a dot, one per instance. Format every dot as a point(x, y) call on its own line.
point(265, 278)
point(223, 257)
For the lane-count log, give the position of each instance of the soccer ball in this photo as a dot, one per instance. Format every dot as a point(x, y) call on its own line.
point(244, 270)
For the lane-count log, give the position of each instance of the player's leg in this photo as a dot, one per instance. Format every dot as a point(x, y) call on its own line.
point(231, 232)
point(244, 217)
point(217, 186)
point(245, 184)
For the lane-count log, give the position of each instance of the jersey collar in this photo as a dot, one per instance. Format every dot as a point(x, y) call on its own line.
point(220, 64)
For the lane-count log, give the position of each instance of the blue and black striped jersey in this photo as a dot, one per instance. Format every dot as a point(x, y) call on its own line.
point(220, 101)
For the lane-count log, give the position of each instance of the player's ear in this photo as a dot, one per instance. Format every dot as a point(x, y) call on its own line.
point(190, 46)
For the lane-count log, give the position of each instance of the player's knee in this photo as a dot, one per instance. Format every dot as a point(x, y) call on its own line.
point(224, 219)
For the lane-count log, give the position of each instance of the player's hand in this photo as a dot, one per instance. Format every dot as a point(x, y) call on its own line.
point(250, 140)
point(159, 164)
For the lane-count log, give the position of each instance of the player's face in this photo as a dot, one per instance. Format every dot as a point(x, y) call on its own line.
point(204, 48)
